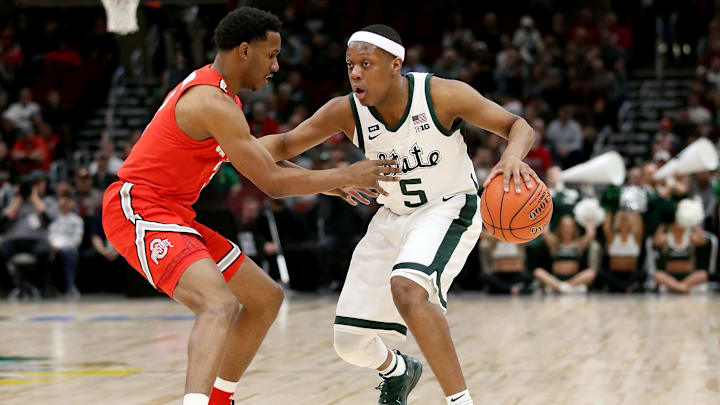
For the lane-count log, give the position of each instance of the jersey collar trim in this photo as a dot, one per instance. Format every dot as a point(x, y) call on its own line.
point(394, 128)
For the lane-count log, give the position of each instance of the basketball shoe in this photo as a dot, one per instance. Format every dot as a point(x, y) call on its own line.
point(395, 390)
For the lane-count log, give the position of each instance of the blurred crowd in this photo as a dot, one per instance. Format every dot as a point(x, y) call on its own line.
point(565, 72)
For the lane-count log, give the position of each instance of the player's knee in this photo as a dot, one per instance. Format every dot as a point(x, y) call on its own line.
point(407, 294)
point(274, 296)
point(223, 306)
point(538, 271)
point(359, 350)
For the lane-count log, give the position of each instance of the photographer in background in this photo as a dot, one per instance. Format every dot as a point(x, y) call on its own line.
point(25, 221)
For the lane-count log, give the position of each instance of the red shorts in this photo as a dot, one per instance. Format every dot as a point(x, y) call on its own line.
point(157, 241)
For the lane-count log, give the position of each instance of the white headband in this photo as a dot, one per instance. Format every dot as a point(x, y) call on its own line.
point(379, 41)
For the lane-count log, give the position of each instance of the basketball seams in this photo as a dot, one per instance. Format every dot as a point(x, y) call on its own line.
point(510, 233)
point(535, 193)
point(502, 199)
point(484, 199)
point(532, 195)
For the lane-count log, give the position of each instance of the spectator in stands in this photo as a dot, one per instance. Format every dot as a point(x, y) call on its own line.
point(554, 91)
point(260, 123)
point(527, 39)
point(25, 220)
point(4, 158)
point(29, 153)
point(63, 57)
point(413, 60)
point(52, 141)
point(623, 244)
point(666, 137)
point(102, 177)
point(89, 199)
point(107, 149)
point(22, 112)
point(294, 236)
point(565, 137)
point(585, 29)
point(698, 113)
point(539, 157)
point(448, 65)
point(132, 140)
point(65, 235)
point(505, 266)
point(284, 103)
point(620, 35)
point(54, 112)
point(558, 29)
point(589, 137)
point(510, 74)
point(40, 182)
point(12, 53)
point(295, 79)
point(250, 236)
point(676, 268)
point(99, 241)
point(685, 127)
point(490, 33)
point(482, 66)
point(602, 82)
point(567, 248)
point(713, 73)
point(176, 74)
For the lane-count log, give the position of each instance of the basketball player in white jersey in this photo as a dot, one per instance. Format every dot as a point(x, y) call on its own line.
point(430, 220)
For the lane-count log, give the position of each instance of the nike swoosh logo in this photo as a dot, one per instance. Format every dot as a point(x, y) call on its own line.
point(373, 137)
point(445, 199)
point(455, 399)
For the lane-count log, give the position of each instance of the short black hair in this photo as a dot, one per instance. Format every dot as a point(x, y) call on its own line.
point(244, 24)
point(385, 31)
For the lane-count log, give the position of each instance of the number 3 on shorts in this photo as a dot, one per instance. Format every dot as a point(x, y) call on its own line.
point(413, 193)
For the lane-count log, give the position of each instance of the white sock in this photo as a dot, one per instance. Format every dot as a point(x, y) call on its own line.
point(461, 398)
point(396, 366)
point(196, 399)
point(224, 385)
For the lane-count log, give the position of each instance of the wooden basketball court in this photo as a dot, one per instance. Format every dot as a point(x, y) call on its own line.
point(535, 350)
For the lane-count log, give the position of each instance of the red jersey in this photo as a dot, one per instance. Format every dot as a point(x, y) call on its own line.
point(175, 166)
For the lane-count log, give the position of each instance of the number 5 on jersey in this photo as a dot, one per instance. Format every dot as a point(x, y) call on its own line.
point(413, 193)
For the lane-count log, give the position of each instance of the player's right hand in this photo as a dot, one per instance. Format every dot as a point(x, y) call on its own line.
point(369, 173)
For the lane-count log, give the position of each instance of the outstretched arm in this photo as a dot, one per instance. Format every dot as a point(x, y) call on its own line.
point(216, 113)
point(333, 117)
point(456, 99)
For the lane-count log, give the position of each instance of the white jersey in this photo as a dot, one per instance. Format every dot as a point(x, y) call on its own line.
point(434, 160)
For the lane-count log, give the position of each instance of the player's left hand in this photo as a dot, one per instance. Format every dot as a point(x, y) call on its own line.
point(353, 195)
point(512, 166)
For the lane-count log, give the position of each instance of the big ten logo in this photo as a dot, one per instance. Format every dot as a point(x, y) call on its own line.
point(536, 230)
point(422, 127)
point(544, 202)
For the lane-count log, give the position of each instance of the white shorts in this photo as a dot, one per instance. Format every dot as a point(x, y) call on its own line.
point(428, 246)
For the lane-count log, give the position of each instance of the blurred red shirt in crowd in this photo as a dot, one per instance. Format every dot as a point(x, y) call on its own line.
point(29, 153)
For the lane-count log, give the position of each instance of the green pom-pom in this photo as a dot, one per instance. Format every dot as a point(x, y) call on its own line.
point(610, 199)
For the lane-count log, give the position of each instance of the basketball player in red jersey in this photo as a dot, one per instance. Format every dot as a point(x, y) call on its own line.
point(147, 214)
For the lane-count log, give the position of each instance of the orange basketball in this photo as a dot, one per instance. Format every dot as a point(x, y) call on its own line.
point(516, 217)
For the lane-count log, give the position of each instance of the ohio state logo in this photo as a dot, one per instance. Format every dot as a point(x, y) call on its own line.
point(159, 248)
